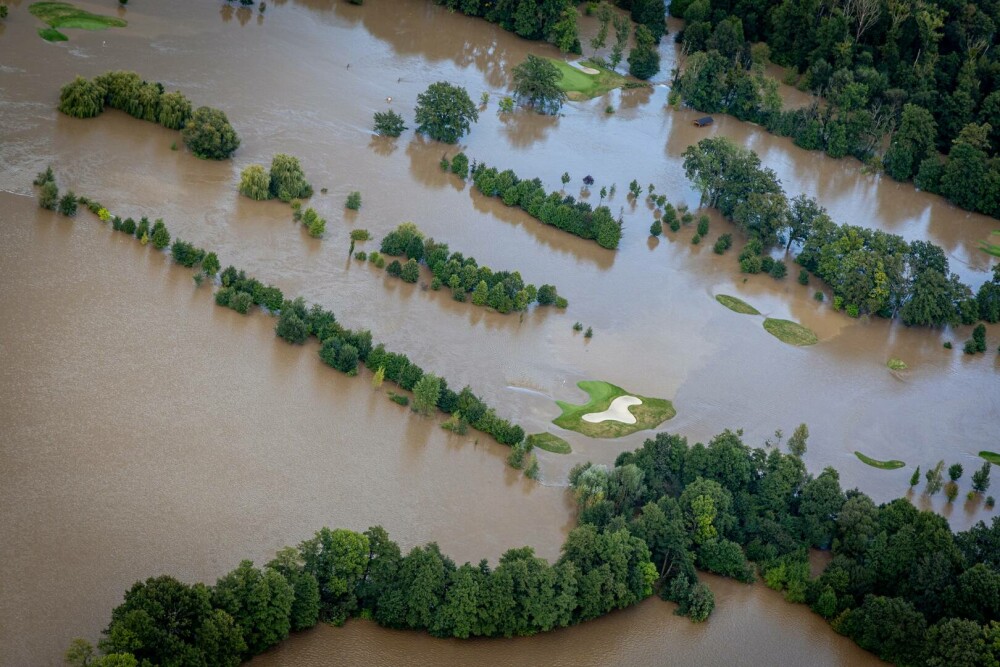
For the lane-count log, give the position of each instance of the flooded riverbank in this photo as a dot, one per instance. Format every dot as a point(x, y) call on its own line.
point(145, 430)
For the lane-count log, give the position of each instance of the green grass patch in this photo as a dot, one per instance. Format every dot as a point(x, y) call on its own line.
point(65, 15)
point(790, 332)
point(992, 457)
point(582, 86)
point(990, 248)
point(875, 463)
point(736, 305)
point(51, 35)
point(549, 442)
point(652, 412)
point(896, 364)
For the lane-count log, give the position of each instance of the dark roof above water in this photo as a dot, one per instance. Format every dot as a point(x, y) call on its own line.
point(704, 120)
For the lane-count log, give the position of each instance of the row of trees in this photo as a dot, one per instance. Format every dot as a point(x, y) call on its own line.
point(206, 131)
point(552, 208)
point(551, 20)
point(340, 573)
point(870, 271)
point(285, 180)
point(649, 15)
point(924, 71)
point(340, 347)
point(504, 291)
point(900, 583)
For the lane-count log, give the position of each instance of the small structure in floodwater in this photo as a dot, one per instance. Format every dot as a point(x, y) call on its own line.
point(704, 121)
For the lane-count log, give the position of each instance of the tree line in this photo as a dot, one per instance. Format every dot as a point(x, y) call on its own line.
point(339, 574)
point(870, 271)
point(551, 20)
point(206, 131)
point(900, 583)
point(504, 291)
point(924, 71)
point(341, 348)
point(563, 212)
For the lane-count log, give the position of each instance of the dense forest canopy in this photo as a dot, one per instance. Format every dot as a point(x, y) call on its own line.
point(925, 70)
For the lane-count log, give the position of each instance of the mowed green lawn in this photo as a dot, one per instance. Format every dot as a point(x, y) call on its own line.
point(580, 85)
point(652, 412)
point(65, 15)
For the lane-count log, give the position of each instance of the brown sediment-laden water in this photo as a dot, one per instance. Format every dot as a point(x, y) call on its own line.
point(144, 430)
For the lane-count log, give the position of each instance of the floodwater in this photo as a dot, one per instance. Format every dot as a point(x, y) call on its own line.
point(144, 430)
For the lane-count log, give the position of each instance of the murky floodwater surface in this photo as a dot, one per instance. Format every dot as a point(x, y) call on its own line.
point(144, 430)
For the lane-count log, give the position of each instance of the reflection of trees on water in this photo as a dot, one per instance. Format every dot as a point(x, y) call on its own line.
point(384, 146)
point(242, 14)
point(525, 127)
point(556, 239)
point(425, 163)
point(416, 27)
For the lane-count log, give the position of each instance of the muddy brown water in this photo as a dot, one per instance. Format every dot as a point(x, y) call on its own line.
point(144, 430)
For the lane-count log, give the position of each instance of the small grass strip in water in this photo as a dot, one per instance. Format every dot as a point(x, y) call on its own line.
point(549, 442)
point(896, 364)
point(579, 85)
point(790, 332)
point(875, 463)
point(65, 15)
point(736, 305)
point(990, 248)
point(992, 457)
point(652, 412)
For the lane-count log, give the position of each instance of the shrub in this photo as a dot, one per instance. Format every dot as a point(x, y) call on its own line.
point(68, 204)
point(160, 237)
point(723, 244)
point(290, 326)
point(353, 201)
point(254, 183)
point(81, 98)
point(399, 399)
point(241, 302)
point(48, 198)
point(703, 225)
point(853, 310)
point(819, 296)
point(947, 345)
point(778, 270)
point(44, 177)
point(656, 228)
point(175, 111)
point(577, 326)
point(128, 226)
point(316, 227)
point(696, 239)
point(460, 165)
point(186, 254)
point(287, 181)
point(389, 123)
point(395, 268)
point(209, 135)
point(360, 235)
point(561, 302)
point(410, 272)
point(589, 333)
point(803, 277)
point(361, 255)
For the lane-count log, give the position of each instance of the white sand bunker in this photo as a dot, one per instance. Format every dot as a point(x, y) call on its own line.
point(584, 68)
point(617, 411)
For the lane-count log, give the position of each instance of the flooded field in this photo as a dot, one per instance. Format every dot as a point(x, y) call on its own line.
point(144, 430)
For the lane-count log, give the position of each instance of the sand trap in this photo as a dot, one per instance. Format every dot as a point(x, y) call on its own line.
point(585, 69)
point(617, 411)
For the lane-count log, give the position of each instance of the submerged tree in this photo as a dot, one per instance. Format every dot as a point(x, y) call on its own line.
point(445, 112)
point(209, 135)
point(536, 84)
point(254, 183)
point(81, 98)
point(287, 180)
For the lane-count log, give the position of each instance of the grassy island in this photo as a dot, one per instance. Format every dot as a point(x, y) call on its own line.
point(549, 442)
point(790, 332)
point(649, 414)
point(65, 15)
point(579, 85)
point(736, 305)
point(992, 457)
point(884, 465)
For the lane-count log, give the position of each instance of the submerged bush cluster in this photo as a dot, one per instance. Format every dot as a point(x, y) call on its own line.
point(285, 180)
point(552, 208)
point(206, 131)
point(503, 291)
